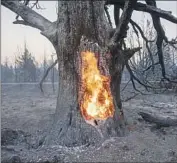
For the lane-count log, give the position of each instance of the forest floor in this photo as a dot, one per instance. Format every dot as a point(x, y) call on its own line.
point(25, 112)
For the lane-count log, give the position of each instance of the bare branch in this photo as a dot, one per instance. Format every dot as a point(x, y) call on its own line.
point(133, 77)
point(124, 20)
point(149, 9)
point(129, 98)
point(135, 25)
point(150, 67)
point(160, 37)
point(125, 86)
point(37, 5)
point(116, 14)
point(30, 17)
point(46, 73)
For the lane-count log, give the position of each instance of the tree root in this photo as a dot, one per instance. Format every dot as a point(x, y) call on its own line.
point(159, 121)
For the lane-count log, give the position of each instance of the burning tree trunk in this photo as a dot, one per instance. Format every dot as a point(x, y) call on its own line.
point(89, 106)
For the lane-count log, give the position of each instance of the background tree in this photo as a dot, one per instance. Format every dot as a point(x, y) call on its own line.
point(25, 64)
point(145, 65)
point(7, 73)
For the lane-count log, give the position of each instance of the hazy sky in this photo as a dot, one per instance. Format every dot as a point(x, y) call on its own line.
point(13, 36)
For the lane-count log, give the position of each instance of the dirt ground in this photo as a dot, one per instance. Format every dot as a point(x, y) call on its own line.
point(26, 110)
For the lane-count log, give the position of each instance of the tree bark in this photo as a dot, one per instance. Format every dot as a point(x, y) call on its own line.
point(83, 26)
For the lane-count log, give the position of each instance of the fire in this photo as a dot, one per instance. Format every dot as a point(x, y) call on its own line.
point(97, 101)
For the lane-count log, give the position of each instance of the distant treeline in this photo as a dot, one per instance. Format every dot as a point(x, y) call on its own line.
point(26, 69)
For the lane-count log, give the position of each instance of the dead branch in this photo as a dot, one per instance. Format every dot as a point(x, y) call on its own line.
point(150, 67)
point(108, 15)
point(37, 5)
point(147, 8)
point(121, 29)
point(133, 77)
point(129, 98)
point(160, 38)
point(29, 16)
point(46, 73)
point(159, 121)
point(135, 25)
point(125, 86)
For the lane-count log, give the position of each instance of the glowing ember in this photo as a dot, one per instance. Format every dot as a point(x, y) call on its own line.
point(97, 101)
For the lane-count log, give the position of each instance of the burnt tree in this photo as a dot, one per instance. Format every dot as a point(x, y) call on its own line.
point(83, 26)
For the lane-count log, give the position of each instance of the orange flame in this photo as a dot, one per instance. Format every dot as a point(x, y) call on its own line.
point(97, 101)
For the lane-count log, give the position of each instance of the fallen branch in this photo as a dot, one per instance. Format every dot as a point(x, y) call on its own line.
point(129, 98)
point(159, 121)
point(46, 73)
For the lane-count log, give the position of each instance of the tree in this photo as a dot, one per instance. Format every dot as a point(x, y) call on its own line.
point(82, 36)
point(26, 67)
point(7, 74)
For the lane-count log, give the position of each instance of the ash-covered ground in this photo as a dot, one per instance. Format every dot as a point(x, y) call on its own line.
point(26, 114)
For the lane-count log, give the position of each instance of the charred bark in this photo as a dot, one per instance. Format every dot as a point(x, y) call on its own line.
point(83, 27)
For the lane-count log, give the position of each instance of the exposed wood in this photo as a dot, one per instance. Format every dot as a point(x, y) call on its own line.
point(159, 121)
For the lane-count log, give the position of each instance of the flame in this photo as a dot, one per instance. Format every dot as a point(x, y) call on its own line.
point(97, 101)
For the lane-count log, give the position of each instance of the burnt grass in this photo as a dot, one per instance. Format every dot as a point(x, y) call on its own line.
point(26, 115)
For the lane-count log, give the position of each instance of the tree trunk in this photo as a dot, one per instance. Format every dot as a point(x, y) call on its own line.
point(82, 26)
